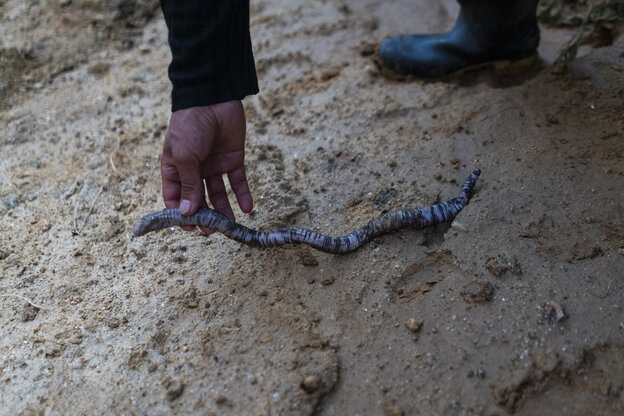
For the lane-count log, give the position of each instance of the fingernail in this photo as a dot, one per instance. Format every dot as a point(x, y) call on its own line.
point(185, 207)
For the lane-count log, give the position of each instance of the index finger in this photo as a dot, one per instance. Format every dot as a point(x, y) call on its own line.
point(171, 186)
point(170, 183)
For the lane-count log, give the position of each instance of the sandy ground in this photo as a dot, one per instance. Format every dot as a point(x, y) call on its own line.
point(520, 298)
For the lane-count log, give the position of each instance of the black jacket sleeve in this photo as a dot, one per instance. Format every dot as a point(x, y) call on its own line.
point(211, 47)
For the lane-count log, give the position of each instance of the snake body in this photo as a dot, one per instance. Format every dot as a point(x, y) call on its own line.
point(391, 221)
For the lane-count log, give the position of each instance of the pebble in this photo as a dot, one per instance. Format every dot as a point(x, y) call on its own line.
point(553, 313)
point(393, 410)
point(414, 325)
point(328, 280)
point(503, 263)
point(480, 373)
point(99, 68)
point(52, 351)
point(175, 389)
point(477, 293)
point(221, 400)
point(112, 322)
point(310, 384)
point(456, 225)
point(29, 313)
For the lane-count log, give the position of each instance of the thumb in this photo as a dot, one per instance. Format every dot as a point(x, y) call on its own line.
point(192, 191)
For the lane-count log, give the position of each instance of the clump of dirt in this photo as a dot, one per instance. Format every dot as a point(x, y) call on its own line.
point(502, 264)
point(476, 293)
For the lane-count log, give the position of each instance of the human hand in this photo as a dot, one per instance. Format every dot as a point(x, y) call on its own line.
point(202, 144)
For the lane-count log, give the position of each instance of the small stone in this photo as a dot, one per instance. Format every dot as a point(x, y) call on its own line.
point(553, 313)
point(221, 400)
point(113, 322)
point(310, 384)
point(175, 389)
point(99, 69)
point(329, 74)
point(53, 351)
point(393, 410)
point(456, 225)
point(414, 325)
point(437, 176)
point(503, 263)
point(75, 300)
point(190, 298)
point(29, 313)
point(477, 293)
point(328, 280)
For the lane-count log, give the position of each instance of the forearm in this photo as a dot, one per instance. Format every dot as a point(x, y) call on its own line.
point(211, 47)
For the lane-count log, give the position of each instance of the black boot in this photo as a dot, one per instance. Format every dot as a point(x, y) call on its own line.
point(485, 31)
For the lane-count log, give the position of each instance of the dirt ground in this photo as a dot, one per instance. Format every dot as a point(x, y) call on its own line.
point(515, 308)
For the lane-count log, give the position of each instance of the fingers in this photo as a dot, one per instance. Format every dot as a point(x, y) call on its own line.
point(218, 196)
point(191, 186)
point(182, 184)
point(238, 182)
point(170, 182)
point(231, 163)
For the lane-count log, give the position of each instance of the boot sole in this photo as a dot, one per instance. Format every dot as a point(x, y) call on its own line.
point(506, 67)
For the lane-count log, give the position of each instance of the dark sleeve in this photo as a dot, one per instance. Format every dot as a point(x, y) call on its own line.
point(211, 47)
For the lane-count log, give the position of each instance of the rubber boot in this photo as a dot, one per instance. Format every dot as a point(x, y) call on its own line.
point(486, 31)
